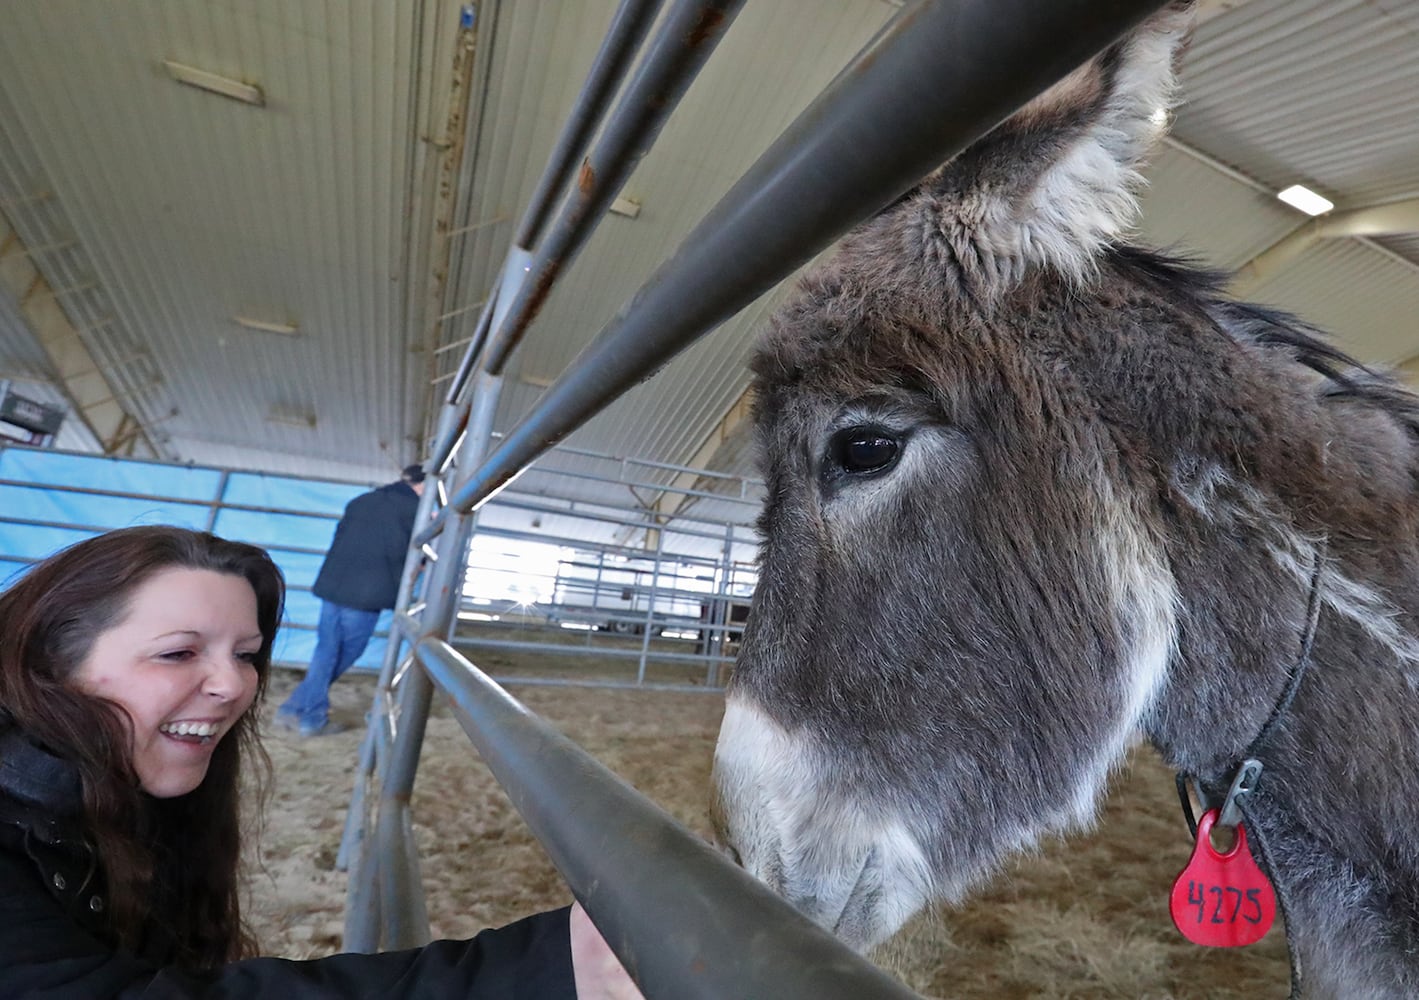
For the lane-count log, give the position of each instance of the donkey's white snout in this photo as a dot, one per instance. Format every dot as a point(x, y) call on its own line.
point(848, 865)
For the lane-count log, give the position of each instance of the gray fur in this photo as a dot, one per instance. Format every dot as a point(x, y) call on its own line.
point(1112, 486)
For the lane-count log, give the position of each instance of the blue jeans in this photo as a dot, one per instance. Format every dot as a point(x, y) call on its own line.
point(341, 636)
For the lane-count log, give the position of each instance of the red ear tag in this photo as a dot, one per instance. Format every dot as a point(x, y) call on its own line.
point(1222, 900)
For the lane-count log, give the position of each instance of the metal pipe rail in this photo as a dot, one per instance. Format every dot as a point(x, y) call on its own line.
point(586, 514)
point(945, 73)
point(605, 685)
point(629, 25)
point(685, 922)
point(556, 649)
point(165, 498)
point(649, 463)
point(630, 552)
point(689, 33)
point(375, 744)
point(635, 484)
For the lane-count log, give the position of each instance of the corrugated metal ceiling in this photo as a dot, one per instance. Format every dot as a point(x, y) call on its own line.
point(322, 208)
point(1337, 280)
point(1319, 92)
point(193, 209)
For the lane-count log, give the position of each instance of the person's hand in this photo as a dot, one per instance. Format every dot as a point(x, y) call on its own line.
point(597, 973)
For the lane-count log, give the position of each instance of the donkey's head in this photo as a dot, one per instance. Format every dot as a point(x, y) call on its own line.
point(967, 605)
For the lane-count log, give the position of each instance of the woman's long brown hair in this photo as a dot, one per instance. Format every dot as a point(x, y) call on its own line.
point(173, 866)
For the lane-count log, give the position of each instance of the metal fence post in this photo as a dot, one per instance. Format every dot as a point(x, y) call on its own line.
point(403, 916)
point(362, 900)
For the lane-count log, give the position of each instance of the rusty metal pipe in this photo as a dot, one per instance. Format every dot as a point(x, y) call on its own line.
point(681, 46)
point(628, 28)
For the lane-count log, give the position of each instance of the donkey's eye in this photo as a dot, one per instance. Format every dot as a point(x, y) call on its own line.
point(859, 451)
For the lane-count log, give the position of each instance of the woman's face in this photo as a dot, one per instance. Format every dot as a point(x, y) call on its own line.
point(181, 663)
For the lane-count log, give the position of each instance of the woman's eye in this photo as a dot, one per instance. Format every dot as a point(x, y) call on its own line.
point(177, 655)
point(249, 656)
point(862, 451)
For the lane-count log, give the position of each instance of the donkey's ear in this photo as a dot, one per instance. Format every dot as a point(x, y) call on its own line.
point(1055, 182)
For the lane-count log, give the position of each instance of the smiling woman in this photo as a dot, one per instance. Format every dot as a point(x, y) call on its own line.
point(182, 666)
point(129, 667)
point(106, 644)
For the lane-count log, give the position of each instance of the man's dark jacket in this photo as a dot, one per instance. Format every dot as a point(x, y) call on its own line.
point(366, 558)
point(53, 943)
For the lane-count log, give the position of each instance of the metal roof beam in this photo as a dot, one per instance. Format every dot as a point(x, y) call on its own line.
point(94, 399)
point(1388, 219)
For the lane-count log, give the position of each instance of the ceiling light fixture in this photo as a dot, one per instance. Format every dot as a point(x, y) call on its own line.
point(629, 207)
point(237, 90)
point(288, 416)
point(1306, 200)
point(268, 326)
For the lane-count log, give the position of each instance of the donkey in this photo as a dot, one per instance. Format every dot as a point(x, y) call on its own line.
point(1034, 494)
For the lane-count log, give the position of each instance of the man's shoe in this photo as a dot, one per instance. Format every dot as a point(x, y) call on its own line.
point(287, 721)
point(330, 728)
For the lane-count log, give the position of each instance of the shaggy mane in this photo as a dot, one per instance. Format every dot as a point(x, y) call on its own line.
point(1191, 286)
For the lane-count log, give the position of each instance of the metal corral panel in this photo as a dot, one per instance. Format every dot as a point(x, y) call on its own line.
point(1319, 92)
point(702, 533)
point(628, 489)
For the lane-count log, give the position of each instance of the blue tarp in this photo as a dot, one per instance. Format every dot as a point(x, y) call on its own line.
point(252, 489)
point(118, 475)
point(287, 531)
point(37, 486)
point(42, 503)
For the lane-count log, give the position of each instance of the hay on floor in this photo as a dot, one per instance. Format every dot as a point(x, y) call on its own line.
point(1084, 918)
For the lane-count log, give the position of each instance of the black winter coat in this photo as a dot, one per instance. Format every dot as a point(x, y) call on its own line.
point(366, 556)
point(52, 940)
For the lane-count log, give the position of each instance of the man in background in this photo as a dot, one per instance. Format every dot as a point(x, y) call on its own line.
point(358, 579)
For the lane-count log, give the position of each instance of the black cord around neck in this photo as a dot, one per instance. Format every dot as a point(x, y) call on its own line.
point(1248, 769)
point(1283, 704)
point(1303, 661)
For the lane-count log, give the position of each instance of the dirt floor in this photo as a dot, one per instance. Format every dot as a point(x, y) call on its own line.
point(1086, 918)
